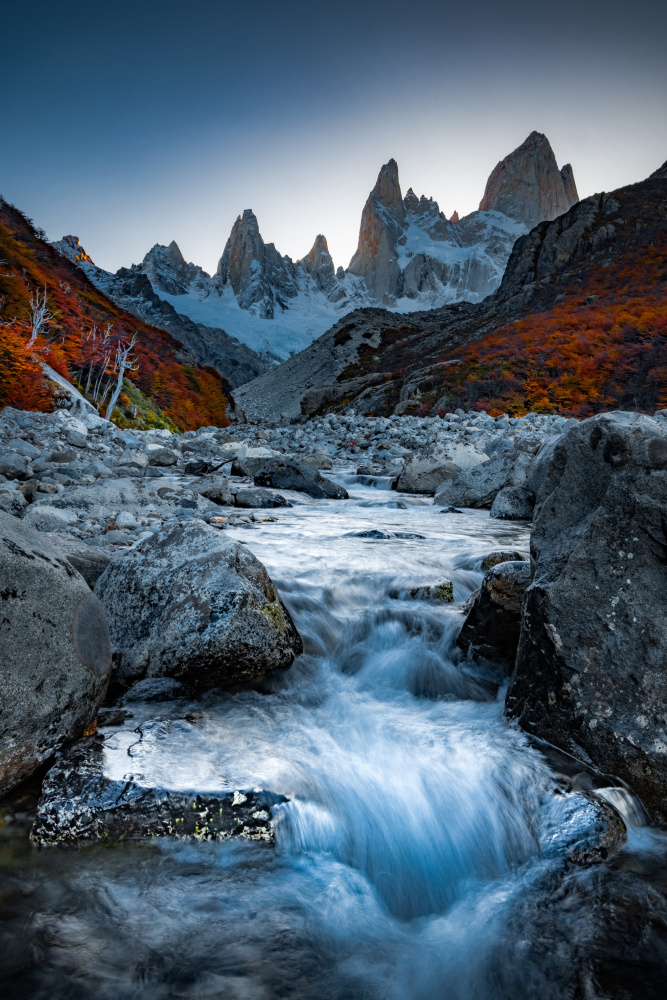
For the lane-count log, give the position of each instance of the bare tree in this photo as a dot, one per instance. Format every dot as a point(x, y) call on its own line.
point(40, 315)
point(123, 362)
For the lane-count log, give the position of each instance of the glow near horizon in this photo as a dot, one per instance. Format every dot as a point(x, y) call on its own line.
point(305, 162)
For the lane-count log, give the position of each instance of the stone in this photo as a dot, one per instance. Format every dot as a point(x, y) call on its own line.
point(493, 558)
point(191, 604)
point(513, 503)
point(292, 475)
point(63, 456)
point(89, 561)
point(82, 801)
point(479, 486)
point(55, 656)
point(44, 517)
point(13, 502)
point(591, 667)
point(132, 459)
point(425, 471)
point(491, 628)
point(14, 466)
point(162, 456)
point(259, 497)
point(125, 519)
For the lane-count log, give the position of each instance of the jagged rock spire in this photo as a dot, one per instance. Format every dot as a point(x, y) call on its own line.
point(528, 186)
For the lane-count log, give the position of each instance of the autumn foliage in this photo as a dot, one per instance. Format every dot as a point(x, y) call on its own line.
point(189, 397)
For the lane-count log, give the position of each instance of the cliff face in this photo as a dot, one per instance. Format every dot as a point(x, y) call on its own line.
point(258, 275)
point(528, 186)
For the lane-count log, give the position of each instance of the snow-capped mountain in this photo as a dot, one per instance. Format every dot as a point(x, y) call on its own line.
point(409, 257)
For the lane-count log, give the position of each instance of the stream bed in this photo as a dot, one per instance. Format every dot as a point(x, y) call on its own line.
point(424, 848)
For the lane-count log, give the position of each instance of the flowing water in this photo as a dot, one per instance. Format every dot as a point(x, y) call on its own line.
point(422, 852)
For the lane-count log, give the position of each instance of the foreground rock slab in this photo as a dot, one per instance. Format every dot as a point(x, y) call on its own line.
point(55, 656)
point(591, 668)
point(81, 802)
point(191, 604)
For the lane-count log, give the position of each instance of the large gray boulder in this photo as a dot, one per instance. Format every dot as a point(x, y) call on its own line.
point(191, 604)
point(55, 656)
point(591, 668)
point(479, 486)
point(293, 475)
point(513, 503)
point(426, 470)
point(14, 466)
point(87, 560)
point(13, 502)
point(491, 628)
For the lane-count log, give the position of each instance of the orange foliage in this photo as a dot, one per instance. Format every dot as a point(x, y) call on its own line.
point(190, 397)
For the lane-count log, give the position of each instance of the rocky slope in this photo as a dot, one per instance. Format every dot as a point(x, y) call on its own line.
point(409, 256)
point(578, 324)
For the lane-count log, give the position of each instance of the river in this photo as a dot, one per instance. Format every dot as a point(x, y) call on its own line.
point(422, 852)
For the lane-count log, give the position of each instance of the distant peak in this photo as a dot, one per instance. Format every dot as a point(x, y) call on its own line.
point(70, 247)
point(454, 217)
point(387, 190)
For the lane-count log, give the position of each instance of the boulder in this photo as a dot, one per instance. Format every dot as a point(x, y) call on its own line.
point(493, 558)
point(216, 489)
point(479, 486)
point(14, 466)
point(591, 667)
point(162, 456)
point(44, 517)
point(259, 497)
point(318, 458)
point(191, 604)
point(491, 628)
point(55, 656)
point(292, 475)
point(13, 502)
point(514, 503)
point(426, 470)
point(83, 799)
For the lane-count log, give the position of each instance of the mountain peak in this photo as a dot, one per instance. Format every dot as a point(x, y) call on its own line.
point(528, 186)
point(454, 217)
point(70, 247)
point(387, 190)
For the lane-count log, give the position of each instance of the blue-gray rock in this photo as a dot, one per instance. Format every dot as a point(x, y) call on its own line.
point(55, 656)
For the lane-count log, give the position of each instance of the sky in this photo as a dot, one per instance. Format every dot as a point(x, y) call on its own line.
point(135, 123)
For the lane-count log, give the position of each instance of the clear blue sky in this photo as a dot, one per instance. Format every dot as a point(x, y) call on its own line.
point(132, 123)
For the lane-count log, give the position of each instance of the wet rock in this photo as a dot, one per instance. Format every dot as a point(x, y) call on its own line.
point(299, 477)
point(216, 489)
point(82, 802)
point(55, 656)
point(479, 486)
point(378, 535)
point(514, 503)
point(13, 502)
point(491, 628)
point(191, 604)
point(493, 558)
point(435, 592)
point(258, 498)
point(590, 671)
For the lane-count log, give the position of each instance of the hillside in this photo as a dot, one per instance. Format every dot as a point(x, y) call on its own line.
point(578, 325)
point(168, 389)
